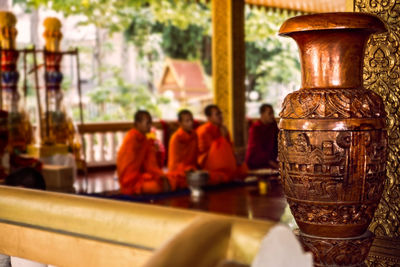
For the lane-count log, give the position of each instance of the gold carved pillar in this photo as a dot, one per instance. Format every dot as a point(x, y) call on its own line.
point(382, 75)
point(228, 65)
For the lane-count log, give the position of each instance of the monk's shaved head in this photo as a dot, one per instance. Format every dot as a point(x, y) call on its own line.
point(140, 115)
point(209, 109)
point(214, 114)
point(267, 113)
point(182, 113)
point(185, 118)
point(264, 107)
point(143, 121)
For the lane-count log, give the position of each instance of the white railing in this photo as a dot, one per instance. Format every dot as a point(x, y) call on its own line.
point(102, 140)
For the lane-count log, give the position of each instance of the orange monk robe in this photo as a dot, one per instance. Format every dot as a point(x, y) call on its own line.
point(216, 155)
point(182, 157)
point(137, 167)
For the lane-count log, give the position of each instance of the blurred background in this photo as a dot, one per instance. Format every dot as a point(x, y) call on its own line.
point(154, 55)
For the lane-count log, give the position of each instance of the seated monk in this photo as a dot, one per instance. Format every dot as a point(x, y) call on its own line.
point(262, 148)
point(216, 153)
point(182, 154)
point(137, 166)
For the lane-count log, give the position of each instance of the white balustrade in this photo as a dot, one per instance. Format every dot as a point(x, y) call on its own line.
point(102, 140)
point(102, 148)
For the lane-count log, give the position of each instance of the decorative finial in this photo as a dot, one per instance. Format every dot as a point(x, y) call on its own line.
point(8, 32)
point(52, 34)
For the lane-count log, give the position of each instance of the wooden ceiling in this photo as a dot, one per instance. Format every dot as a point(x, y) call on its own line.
point(306, 6)
point(302, 6)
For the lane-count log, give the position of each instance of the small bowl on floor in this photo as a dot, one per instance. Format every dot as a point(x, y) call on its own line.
point(196, 180)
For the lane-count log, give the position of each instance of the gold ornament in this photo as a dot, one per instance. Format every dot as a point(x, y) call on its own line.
point(52, 34)
point(8, 32)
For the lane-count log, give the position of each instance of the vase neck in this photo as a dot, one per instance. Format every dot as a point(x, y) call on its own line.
point(331, 58)
point(332, 46)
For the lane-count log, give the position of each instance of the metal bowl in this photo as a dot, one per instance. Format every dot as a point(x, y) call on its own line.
point(196, 180)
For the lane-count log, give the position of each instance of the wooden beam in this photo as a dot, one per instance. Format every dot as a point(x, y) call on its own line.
point(62, 249)
point(228, 65)
point(350, 5)
point(80, 222)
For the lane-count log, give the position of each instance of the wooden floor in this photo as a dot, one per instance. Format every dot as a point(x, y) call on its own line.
point(243, 200)
point(98, 180)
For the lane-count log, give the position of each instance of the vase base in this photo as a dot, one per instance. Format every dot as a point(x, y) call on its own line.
point(385, 251)
point(346, 252)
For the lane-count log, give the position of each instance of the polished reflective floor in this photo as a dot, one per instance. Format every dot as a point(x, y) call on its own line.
point(99, 180)
point(249, 200)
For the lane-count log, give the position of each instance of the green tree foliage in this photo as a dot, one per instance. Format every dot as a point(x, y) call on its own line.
point(178, 29)
point(182, 14)
point(114, 15)
point(116, 99)
point(269, 59)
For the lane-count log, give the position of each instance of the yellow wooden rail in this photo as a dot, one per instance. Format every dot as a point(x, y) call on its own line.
point(68, 230)
point(115, 126)
point(103, 127)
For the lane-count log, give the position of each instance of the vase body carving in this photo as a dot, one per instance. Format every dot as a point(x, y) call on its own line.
point(332, 141)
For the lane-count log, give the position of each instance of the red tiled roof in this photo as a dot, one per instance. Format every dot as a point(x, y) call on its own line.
point(189, 73)
point(189, 77)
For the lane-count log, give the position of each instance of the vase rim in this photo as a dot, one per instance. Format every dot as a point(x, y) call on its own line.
point(333, 21)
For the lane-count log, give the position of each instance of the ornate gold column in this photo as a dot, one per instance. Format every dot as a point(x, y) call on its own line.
point(382, 75)
point(228, 65)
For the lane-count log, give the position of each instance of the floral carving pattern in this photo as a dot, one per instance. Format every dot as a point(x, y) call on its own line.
point(332, 214)
point(338, 252)
point(382, 75)
point(333, 103)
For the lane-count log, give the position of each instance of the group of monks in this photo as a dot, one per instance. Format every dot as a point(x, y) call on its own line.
point(208, 148)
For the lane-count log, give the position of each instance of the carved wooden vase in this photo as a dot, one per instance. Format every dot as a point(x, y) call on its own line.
point(332, 141)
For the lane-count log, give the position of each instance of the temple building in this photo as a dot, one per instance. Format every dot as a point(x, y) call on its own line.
point(185, 80)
